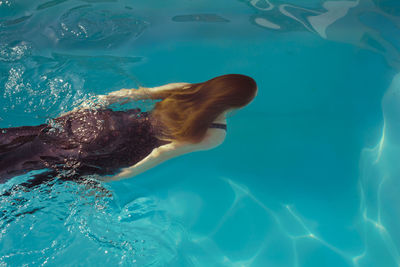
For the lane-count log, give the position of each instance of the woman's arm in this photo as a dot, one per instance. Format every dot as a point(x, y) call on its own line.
point(161, 92)
point(213, 138)
point(127, 95)
point(157, 156)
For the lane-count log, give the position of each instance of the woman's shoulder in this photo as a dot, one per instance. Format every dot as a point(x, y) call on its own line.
point(213, 138)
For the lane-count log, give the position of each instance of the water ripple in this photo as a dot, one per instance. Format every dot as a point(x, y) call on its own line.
point(62, 213)
point(87, 27)
point(336, 20)
point(199, 18)
point(10, 52)
point(14, 21)
point(50, 4)
point(48, 86)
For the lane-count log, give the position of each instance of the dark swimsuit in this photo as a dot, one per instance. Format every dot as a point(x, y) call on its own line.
point(218, 125)
point(81, 143)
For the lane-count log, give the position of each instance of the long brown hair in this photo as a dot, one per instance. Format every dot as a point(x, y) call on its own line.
point(185, 114)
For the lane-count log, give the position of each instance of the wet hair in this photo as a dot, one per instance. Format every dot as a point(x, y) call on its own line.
point(186, 113)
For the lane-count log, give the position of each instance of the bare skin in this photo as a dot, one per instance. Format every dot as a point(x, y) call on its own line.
point(213, 138)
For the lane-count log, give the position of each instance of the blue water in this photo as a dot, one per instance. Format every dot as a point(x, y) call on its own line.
point(307, 176)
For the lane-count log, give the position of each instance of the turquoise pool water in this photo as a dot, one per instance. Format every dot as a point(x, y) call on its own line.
point(307, 176)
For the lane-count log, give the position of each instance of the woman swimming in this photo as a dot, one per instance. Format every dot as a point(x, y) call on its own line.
point(189, 117)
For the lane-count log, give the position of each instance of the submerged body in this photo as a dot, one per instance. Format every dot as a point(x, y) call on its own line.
point(126, 143)
point(80, 143)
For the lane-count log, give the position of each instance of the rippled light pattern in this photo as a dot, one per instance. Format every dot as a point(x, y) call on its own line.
point(308, 175)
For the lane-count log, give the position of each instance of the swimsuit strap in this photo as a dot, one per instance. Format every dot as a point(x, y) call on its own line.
point(218, 125)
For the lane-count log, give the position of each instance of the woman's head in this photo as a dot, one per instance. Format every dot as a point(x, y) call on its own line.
point(230, 90)
point(186, 114)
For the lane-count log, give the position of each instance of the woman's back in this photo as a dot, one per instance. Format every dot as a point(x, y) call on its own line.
point(87, 142)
